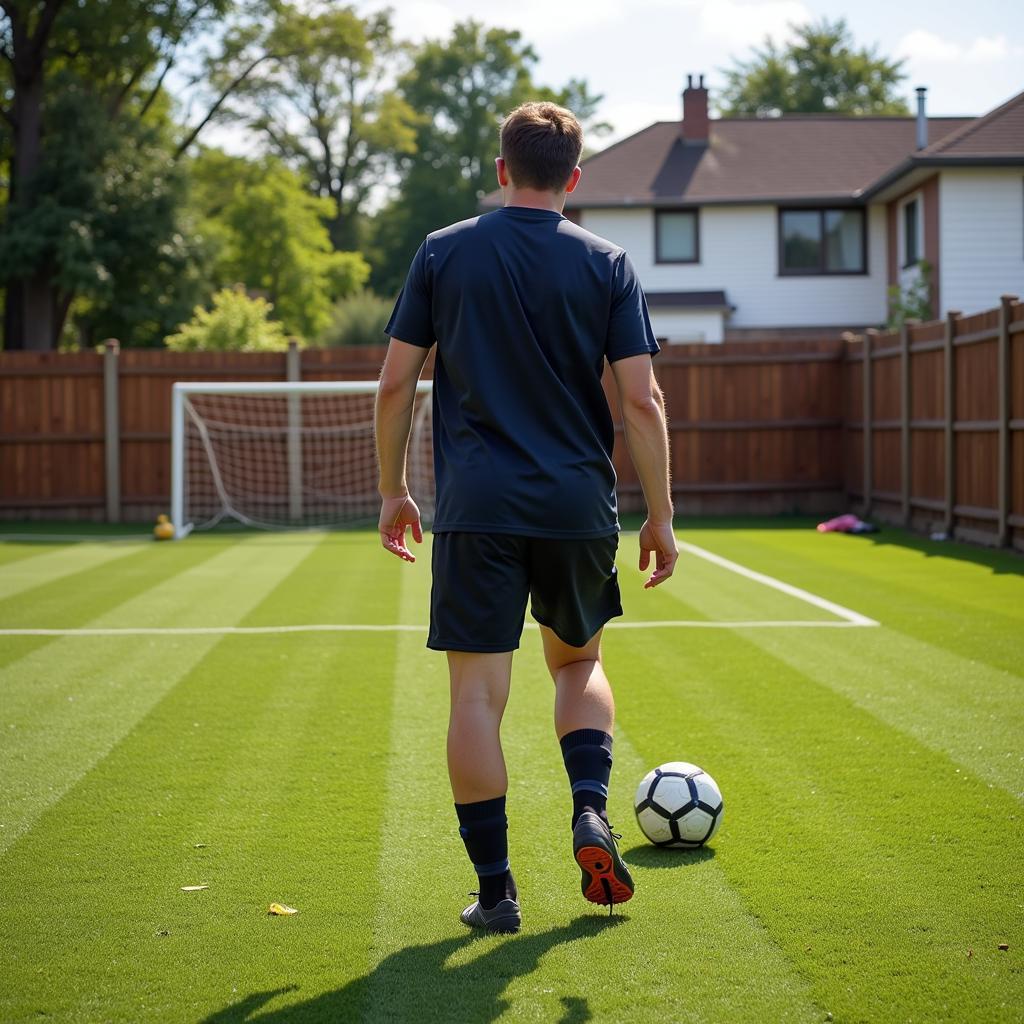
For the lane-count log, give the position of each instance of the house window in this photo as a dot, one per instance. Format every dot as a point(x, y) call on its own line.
point(676, 236)
point(822, 242)
point(911, 253)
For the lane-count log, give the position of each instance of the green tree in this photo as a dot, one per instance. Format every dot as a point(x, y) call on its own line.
point(462, 87)
point(233, 323)
point(264, 229)
point(82, 91)
point(820, 71)
point(324, 109)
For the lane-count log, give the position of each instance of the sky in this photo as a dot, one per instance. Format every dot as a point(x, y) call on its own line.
point(637, 53)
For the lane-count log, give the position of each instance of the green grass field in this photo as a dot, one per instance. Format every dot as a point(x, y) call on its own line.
point(868, 868)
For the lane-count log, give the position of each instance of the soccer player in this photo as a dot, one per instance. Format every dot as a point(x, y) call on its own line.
point(525, 307)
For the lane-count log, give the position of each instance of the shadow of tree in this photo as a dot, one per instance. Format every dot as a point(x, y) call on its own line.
point(416, 983)
point(999, 560)
point(646, 856)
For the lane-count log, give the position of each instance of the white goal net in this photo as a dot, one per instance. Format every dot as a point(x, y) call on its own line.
point(285, 455)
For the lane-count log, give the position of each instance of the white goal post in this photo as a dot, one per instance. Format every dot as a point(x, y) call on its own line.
point(284, 455)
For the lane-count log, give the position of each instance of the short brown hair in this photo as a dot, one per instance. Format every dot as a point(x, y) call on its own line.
point(541, 145)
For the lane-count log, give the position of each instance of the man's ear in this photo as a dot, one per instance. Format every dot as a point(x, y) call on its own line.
point(499, 166)
point(575, 179)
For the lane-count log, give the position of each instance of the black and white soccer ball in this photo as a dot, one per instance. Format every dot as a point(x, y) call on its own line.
point(678, 804)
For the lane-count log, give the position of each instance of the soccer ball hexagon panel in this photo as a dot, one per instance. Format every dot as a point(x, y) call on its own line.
point(678, 804)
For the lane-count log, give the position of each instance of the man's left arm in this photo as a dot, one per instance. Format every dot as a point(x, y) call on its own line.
point(396, 396)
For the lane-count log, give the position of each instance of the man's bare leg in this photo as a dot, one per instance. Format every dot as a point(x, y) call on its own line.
point(476, 768)
point(584, 720)
point(583, 696)
point(479, 693)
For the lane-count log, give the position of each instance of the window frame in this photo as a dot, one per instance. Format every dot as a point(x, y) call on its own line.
point(695, 210)
point(913, 201)
point(821, 270)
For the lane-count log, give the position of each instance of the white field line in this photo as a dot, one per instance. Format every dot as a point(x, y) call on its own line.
point(846, 618)
point(349, 627)
point(851, 617)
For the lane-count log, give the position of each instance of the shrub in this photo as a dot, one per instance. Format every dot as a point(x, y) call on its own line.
point(914, 301)
point(359, 319)
point(235, 323)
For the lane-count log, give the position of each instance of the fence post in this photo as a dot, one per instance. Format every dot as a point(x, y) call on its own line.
point(293, 373)
point(905, 420)
point(111, 430)
point(1003, 384)
point(868, 414)
point(949, 380)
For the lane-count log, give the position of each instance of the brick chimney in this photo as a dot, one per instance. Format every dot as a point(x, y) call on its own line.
point(696, 125)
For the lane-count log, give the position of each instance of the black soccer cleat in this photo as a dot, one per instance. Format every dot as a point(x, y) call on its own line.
point(606, 879)
point(504, 918)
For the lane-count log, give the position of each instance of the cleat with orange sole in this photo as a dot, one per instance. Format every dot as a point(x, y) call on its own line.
point(606, 879)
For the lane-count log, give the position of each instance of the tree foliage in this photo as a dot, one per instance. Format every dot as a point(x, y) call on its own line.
point(91, 200)
point(265, 229)
point(323, 107)
point(461, 87)
point(233, 323)
point(820, 71)
point(359, 319)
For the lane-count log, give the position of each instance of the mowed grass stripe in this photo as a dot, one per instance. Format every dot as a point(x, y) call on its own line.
point(263, 754)
point(430, 967)
point(716, 593)
point(951, 595)
point(911, 674)
point(961, 707)
point(67, 704)
point(79, 596)
point(26, 566)
point(875, 863)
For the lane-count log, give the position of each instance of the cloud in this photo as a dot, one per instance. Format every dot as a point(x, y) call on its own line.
point(739, 25)
point(537, 19)
point(922, 45)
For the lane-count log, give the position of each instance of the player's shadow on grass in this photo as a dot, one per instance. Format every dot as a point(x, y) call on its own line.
point(417, 983)
point(646, 856)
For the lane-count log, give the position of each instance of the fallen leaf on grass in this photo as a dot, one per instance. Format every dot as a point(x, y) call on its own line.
point(193, 888)
point(281, 909)
point(970, 954)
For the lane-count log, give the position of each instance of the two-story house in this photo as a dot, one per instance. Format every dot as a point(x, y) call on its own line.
point(799, 225)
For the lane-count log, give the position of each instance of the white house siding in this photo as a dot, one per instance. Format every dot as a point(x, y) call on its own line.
point(739, 253)
point(981, 232)
point(682, 325)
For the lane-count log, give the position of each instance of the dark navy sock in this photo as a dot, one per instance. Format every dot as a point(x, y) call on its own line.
point(588, 761)
point(484, 829)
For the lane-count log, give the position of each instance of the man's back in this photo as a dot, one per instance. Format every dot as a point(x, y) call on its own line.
point(525, 306)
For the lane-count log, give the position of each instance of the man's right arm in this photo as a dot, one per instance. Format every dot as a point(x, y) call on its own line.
point(646, 430)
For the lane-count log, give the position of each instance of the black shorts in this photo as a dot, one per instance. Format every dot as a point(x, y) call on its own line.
point(481, 582)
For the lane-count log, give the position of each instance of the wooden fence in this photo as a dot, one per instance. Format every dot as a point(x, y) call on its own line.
point(935, 425)
point(757, 427)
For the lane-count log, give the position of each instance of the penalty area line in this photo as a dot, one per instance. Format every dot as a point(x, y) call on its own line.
point(342, 627)
point(850, 617)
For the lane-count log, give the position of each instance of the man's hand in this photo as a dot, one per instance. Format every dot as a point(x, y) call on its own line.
point(396, 515)
point(659, 540)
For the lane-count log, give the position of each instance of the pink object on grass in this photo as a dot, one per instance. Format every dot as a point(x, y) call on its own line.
point(840, 524)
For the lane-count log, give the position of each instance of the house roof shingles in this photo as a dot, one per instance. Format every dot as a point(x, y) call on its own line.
point(999, 133)
point(787, 159)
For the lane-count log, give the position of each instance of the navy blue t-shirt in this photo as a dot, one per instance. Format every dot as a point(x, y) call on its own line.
point(525, 306)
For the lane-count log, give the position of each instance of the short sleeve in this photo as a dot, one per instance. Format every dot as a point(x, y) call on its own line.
point(629, 324)
point(411, 320)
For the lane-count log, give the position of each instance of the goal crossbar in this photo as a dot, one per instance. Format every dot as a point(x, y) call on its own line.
point(182, 415)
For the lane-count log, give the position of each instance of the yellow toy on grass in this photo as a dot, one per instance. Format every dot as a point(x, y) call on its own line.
point(164, 529)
